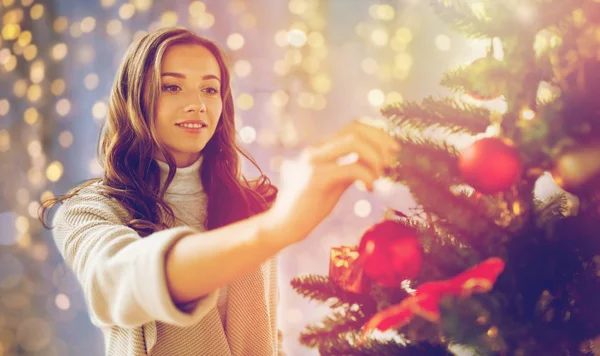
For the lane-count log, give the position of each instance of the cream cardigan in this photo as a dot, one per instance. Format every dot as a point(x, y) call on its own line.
point(123, 280)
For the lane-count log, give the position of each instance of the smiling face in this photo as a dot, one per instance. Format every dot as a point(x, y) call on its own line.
point(189, 105)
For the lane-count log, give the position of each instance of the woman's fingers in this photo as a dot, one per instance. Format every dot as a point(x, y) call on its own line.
point(350, 173)
point(341, 147)
point(377, 137)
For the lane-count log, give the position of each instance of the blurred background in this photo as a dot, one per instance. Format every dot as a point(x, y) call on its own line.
point(301, 69)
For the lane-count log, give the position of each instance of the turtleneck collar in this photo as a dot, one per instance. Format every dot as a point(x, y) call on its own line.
point(186, 180)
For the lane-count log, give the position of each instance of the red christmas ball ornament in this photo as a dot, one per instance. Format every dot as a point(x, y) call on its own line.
point(490, 165)
point(391, 253)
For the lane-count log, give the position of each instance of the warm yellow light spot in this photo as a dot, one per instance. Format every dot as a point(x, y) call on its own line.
point(385, 12)
point(114, 27)
point(247, 134)
point(22, 224)
point(20, 88)
point(11, 63)
point(107, 3)
point(75, 30)
point(297, 7)
point(169, 19)
point(248, 20)
point(316, 39)
point(369, 65)
point(306, 99)
point(37, 72)
point(62, 301)
point(242, 68)
point(376, 97)
point(37, 11)
point(59, 51)
point(320, 102)
point(311, 65)
point(99, 110)
point(34, 148)
point(24, 38)
point(4, 140)
point(281, 38)
point(11, 31)
point(379, 37)
point(60, 24)
point(245, 101)
point(57, 87)
point(94, 167)
point(126, 11)
point(63, 107)
point(30, 116)
point(516, 208)
point(393, 97)
point(54, 171)
point(91, 81)
point(321, 83)
point(30, 52)
point(65, 139)
point(362, 208)
point(196, 8)
point(403, 61)
point(296, 38)
point(280, 98)
point(34, 93)
point(235, 41)
point(4, 107)
point(206, 20)
point(527, 114)
point(88, 24)
point(142, 5)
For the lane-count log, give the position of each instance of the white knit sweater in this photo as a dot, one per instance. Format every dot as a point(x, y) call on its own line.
point(123, 280)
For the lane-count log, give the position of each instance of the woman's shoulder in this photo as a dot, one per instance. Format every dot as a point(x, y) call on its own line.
point(94, 198)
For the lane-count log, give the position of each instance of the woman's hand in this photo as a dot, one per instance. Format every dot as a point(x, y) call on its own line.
point(312, 185)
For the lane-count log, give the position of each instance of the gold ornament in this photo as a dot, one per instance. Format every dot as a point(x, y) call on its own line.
point(577, 167)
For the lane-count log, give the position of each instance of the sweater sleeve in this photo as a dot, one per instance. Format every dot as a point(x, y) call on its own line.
point(121, 274)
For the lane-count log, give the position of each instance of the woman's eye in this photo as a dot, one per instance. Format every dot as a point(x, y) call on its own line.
point(171, 88)
point(211, 91)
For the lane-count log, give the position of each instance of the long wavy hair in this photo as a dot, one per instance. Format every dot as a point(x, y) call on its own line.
point(128, 144)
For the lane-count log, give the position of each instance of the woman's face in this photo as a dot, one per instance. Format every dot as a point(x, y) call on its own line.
point(189, 105)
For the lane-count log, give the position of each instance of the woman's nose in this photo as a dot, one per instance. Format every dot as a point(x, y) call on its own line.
point(197, 107)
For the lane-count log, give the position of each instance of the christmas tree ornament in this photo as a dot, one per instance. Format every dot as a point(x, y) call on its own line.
point(577, 168)
point(391, 252)
point(490, 165)
point(425, 302)
point(345, 269)
point(486, 78)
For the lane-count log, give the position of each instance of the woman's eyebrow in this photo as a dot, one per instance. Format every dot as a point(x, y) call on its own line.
point(182, 76)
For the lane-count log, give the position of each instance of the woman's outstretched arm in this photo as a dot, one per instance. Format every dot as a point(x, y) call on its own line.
point(310, 188)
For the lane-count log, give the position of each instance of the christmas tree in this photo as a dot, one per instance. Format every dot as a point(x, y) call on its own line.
point(483, 266)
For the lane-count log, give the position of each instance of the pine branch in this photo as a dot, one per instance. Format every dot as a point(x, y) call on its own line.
point(462, 216)
point(319, 288)
point(375, 347)
point(448, 114)
point(438, 160)
point(333, 326)
point(459, 14)
point(550, 209)
point(477, 80)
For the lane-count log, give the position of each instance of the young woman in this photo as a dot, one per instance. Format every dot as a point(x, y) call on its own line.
point(173, 247)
